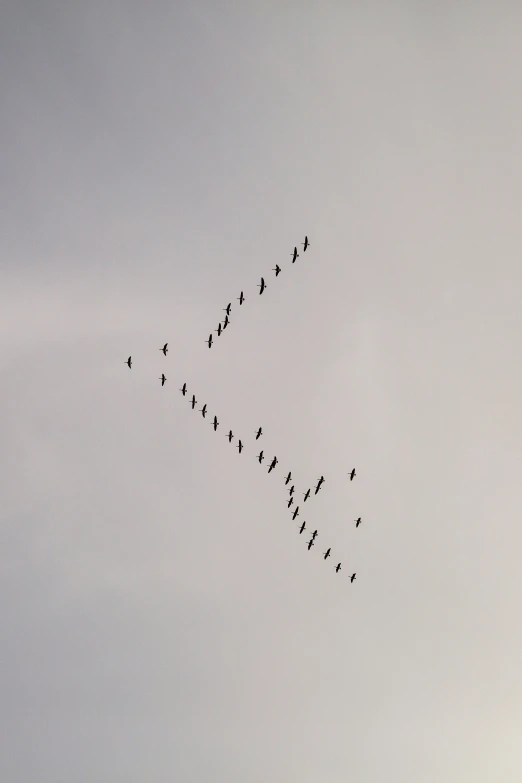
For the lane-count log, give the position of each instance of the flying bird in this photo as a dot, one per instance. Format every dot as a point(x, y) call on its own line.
point(310, 544)
point(219, 330)
point(227, 308)
point(302, 528)
point(295, 255)
point(209, 341)
point(277, 269)
point(216, 422)
point(291, 490)
point(357, 521)
point(230, 436)
point(290, 502)
point(352, 578)
point(327, 553)
point(288, 478)
point(129, 362)
point(306, 495)
point(193, 401)
point(296, 512)
point(203, 410)
point(183, 389)
point(260, 457)
point(226, 322)
point(262, 285)
point(305, 243)
point(162, 379)
point(164, 349)
point(319, 483)
point(314, 534)
point(259, 432)
point(337, 568)
point(239, 446)
point(241, 298)
point(273, 464)
point(352, 474)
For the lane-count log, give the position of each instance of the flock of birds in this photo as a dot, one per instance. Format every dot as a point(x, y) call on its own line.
point(260, 457)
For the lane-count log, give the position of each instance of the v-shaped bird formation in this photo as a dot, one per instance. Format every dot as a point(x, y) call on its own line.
point(274, 461)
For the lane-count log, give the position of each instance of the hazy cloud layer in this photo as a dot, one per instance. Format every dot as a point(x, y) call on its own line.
point(161, 617)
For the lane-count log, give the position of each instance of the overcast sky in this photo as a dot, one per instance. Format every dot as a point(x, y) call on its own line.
point(160, 616)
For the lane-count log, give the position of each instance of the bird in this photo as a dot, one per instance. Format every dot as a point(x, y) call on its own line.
point(183, 389)
point(352, 578)
point(193, 401)
point(337, 568)
point(162, 379)
point(296, 512)
point(277, 269)
point(216, 422)
point(327, 553)
point(230, 436)
point(164, 349)
point(203, 410)
point(314, 534)
point(288, 478)
point(290, 502)
point(318, 487)
point(273, 464)
point(209, 341)
point(302, 528)
point(129, 362)
point(259, 432)
point(291, 490)
point(305, 243)
point(226, 322)
point(239, 446)
point(219, 330)
point(227, 308)
point(295, 255)
point(260, 457)
point(352, 474)
point(262, 286)
point(306, 495)
point(357, 521)
point(310, 544)
point(241, 298)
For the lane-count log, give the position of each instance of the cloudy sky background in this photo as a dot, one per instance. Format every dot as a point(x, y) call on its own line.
point(161, 618)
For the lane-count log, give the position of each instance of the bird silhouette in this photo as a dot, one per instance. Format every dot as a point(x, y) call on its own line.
point(259, 433)
point(295, 255)
point(219, 330)
point(352, 474)
point(228, 308)
point(129, 362)
point(277, 269)
point(291, 490)
point(164, 349)
point(226, 322)
point(319, 483)
point(314, 534)
point(209, 341)
point(290, 502)
point(306, 243)
point(262, 286)
point(358, 521)
point(296, 512)
point(352, 578)
point(302, 528)
point(337, 568)
point(310, 544)
point(230, 436)
point(306, 495)
point(241, 298)
point(273, 464)
point(240, 447)
point(162, 379)
point(327, 553)
point(216, 422)
point(183, 389)
point(203, 410)
point(260, 457)
point(288, 478)
point(193, 401)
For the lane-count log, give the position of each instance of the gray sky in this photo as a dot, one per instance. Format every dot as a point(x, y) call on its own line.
point(161, 617)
